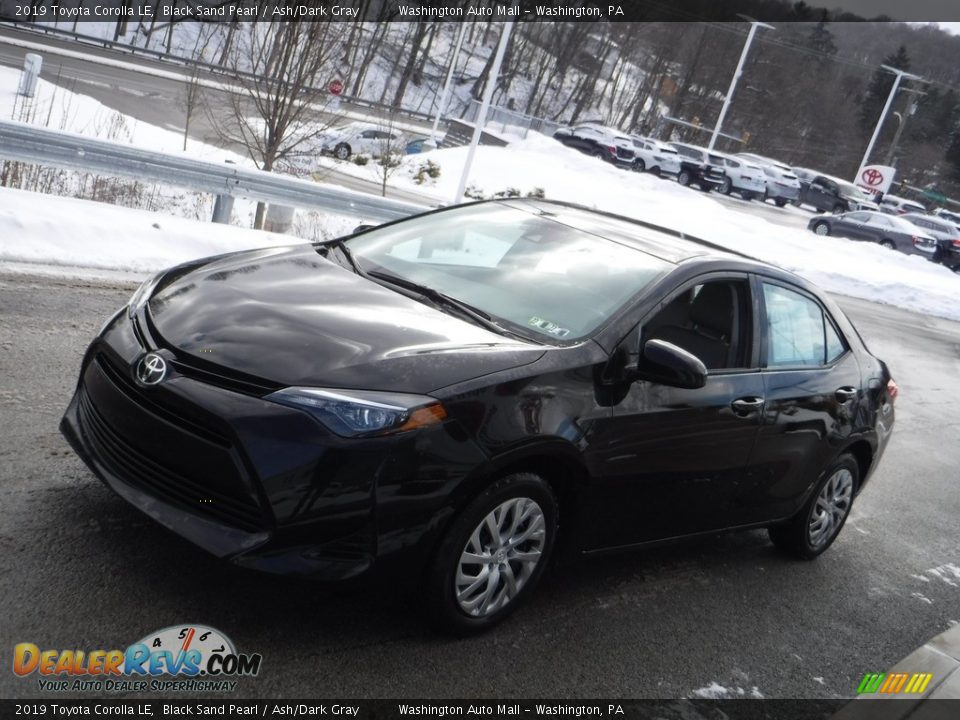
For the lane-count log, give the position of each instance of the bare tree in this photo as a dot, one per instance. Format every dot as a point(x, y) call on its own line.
point(282, 70)
point(389, 151)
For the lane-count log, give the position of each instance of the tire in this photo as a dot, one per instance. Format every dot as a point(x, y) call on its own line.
point(683, 177)
point(837, 209)
point(821, 228)
point(455, 605)
point(726, 187)
point(655, 171)
point(599, 154)
point(342, 151)
point(780, 202)
point(639, 165)
point(888, 244)
point(747, 195)
point(813, 530)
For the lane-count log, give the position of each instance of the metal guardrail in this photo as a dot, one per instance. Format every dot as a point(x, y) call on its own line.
point(42, 146)
point(188, 63)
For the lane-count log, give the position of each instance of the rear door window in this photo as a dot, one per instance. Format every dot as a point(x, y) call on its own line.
point(798, 331)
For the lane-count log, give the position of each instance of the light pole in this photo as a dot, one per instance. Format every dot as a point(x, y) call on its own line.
point(484, 106)
point(432, 142)
point(883, 113)
point(754, 24)
point(911, 109)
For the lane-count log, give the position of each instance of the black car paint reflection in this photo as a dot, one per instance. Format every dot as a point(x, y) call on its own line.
point(632, 461)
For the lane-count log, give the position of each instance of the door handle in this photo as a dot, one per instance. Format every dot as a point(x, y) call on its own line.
point(846, 393)
point(746, 406)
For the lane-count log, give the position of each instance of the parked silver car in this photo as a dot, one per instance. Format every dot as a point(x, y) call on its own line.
point(946, 233)
point(891, 232)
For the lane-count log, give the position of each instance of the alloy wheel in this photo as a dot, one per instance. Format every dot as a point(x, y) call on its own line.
point(500, 556)
point(831, 508)
point(822, 229)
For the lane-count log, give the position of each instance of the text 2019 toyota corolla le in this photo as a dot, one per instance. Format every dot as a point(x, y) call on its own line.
point(451, 396)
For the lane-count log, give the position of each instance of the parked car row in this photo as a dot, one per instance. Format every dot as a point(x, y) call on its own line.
point(896, 223)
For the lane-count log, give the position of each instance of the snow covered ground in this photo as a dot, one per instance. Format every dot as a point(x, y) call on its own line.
point(538, 163)
point(62, 231)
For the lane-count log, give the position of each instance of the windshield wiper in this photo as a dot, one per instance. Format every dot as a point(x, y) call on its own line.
point(442, 299)
point(346, 252)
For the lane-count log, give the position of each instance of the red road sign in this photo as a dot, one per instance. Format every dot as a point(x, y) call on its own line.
point(872, 177)
point(336, 87)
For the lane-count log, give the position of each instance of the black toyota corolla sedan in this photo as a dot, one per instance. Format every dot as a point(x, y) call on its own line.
point(454, 396)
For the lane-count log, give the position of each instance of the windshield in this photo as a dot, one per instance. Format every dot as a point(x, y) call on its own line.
point(545, 279)
point(852, 191)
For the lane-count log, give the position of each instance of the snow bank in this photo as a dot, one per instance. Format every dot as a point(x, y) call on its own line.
point(37, 228)
point(858, 269)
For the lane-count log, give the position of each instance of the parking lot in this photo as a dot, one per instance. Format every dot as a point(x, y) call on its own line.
point(82, 569)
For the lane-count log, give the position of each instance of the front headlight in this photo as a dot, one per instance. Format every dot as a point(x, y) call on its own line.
point(354, 413)
point(143, 294)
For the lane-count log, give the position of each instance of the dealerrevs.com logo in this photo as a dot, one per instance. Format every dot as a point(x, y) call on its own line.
point(180, 658)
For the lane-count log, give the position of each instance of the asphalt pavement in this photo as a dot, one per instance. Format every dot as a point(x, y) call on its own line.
point(79, 568)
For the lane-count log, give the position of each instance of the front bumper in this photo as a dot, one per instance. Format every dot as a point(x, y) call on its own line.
point(259, 484)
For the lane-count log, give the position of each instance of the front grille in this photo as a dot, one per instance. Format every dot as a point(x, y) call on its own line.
point(122, 382)
point(157, 479)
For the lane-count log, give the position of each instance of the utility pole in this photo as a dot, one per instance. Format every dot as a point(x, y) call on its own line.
point(754, 24)
point(484, 106)
point(883, 113)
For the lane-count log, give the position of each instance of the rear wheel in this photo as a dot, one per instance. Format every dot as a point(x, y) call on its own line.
point(639, 165)
point(746, 195)
point(821, 228)
point(814, 528)
point(655, 171)
point(726, 187)
point(780, 202)
point(838, 208)
point(683, 177)
point(341, 151)
point(888, 244)
point(493, 555)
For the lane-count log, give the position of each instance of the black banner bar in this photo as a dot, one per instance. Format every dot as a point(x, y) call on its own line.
point(238, 709)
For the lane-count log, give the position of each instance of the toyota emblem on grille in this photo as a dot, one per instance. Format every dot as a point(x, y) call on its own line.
point(151, 369)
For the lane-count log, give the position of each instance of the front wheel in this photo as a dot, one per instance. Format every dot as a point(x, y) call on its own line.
point(814, 528)
point(493, 555)
point(683, 177)
point(726, 187)
point(780, 202)
point(888, 244)
point(341, 151)
point(838, 208)
point(821, 228)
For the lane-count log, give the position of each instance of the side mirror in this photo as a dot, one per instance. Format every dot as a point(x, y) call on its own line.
point(667, 364)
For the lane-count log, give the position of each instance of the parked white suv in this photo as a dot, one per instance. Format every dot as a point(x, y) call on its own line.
point(654, 156)
point(743, 177)
point(782, 184)
point(893, 205)
point(359, 139)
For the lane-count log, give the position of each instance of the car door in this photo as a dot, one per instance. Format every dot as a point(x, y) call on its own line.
point(669, 461)
point(851, 225)
point(811, 388)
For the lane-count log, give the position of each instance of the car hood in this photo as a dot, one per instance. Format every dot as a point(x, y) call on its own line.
point(288, 316)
